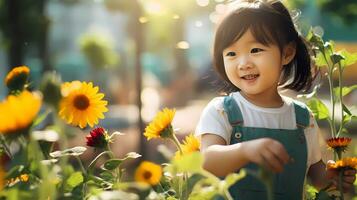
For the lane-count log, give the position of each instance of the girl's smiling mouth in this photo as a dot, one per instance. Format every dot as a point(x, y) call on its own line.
point(250, 77)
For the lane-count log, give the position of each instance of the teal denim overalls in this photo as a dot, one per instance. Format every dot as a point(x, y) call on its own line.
point(288, 185)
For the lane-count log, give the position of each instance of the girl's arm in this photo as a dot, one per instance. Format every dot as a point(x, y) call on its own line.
point(222, 159)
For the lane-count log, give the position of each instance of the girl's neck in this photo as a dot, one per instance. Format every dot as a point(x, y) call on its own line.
point(265, 101)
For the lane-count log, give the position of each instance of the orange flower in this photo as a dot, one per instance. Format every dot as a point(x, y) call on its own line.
point(149, 173)
point(339, 144)
point(345, 163)
point(18, 112)
point(16, 79)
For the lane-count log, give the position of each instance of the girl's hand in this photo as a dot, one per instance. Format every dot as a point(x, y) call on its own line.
point(266, 152)
point(349, 177)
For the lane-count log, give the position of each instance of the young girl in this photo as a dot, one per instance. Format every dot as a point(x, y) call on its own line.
point(256, 50)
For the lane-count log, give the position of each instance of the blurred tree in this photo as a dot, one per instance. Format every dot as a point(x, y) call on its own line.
point(135, 29)
point(346, 10)
point(23, 25)
point(99, 50)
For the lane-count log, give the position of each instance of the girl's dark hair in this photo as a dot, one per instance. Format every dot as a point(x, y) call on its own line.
point(270, 23)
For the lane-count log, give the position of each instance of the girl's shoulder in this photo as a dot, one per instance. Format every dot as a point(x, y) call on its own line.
point(216, 104)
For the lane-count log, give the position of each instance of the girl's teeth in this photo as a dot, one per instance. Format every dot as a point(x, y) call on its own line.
point(250, 77)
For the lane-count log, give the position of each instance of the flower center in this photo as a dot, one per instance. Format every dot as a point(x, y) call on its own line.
point(81, 102)
point(147, 175)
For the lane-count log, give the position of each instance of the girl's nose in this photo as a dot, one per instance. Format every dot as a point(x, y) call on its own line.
point(244, 64)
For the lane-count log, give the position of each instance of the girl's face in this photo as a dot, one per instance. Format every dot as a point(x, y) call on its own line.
point(253, 67)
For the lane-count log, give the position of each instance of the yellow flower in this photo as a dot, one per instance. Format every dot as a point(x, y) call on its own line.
point(18, 112)
point(345, 163)
point(22, 178)
point(339, 144)
point(148, 172)
point(190, 144)
point(161, 125)
point(81, 104)
point(16, 79)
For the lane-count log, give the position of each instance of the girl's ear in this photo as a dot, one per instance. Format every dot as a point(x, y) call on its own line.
point(288, 53)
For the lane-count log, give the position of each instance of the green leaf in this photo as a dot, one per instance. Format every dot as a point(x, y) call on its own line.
point(318, 108)
point(115, 134)
point(74, 180)
point(40, 118)
point(233, 178)
point(132, 155)
point(350, 58)
point(187, 163)
point(328, 48)
point(315, 39)
point(348, 118)
point(107, 175)
point(15, 171)
point(336, 58)
point(112, 164)
point(323, 195)
point(75, 151)
point(191, 182)
point(346, 110)
point(320, 60)
point(345, 90)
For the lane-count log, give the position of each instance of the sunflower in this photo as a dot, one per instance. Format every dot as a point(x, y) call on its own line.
point(345, 163)
point(190, 144)
point(161, 125)
point(81, 104)
point(339, 144)
point(18, 112)
point(148, 172)
point(16, 79)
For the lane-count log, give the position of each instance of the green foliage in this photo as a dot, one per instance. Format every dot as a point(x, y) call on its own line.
point(189, 163)
point(345, 10)
point(112, 164)
point(73, 181)
point(335, 62)
point(318, 108)
point(99, 50)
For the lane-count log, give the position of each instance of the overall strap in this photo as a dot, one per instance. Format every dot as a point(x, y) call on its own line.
point(233, 111)
point(302, 115)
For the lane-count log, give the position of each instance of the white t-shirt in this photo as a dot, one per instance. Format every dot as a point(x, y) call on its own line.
point(214, 120)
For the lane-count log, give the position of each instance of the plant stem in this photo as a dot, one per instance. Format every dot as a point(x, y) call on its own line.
point(340, 96)
point(340, 176)
point(332, 96)
point(117, 170)
point(6, 148)
point(81, 165)
point(96, 158)
point(332, 99)
point(177, 143)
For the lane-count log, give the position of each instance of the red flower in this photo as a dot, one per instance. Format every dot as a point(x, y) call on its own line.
point(98, 138)
point(339, 144)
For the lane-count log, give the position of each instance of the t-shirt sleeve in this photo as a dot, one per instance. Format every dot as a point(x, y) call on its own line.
point(313, 141)
point(214, 120)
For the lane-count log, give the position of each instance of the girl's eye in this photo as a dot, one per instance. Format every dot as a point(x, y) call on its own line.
point(256, 50)
point(231, 53)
